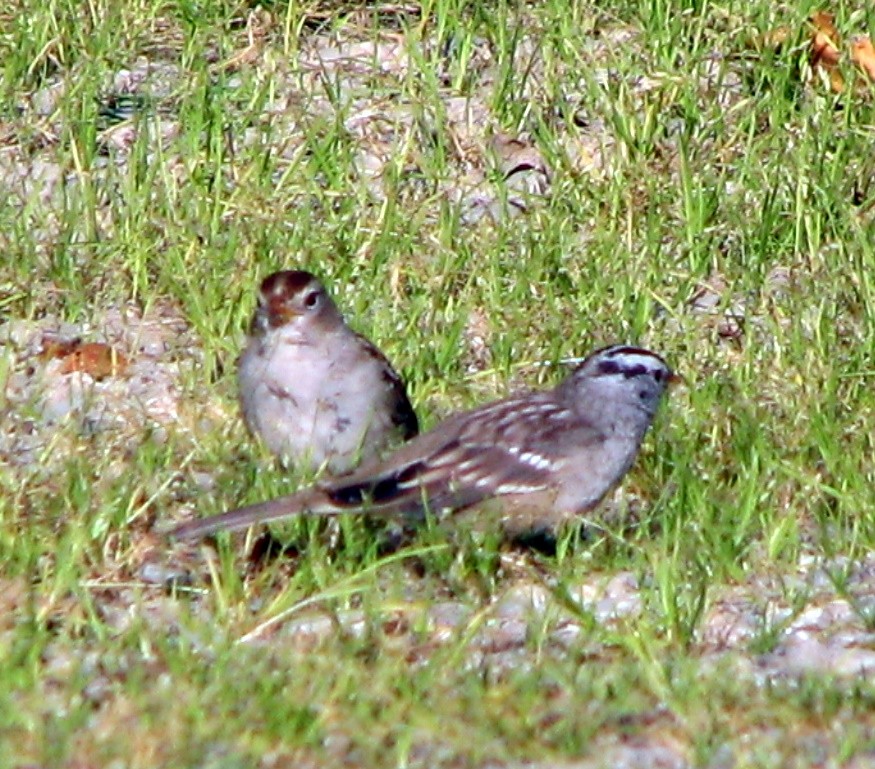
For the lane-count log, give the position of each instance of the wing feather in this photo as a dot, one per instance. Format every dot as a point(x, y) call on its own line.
point(496, 450)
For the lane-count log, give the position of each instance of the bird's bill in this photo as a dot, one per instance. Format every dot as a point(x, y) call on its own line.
point(281, 312)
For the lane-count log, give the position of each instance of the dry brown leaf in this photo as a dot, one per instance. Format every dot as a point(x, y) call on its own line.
point(825, 43)
point(96, 359)
point(57, 348)
point(825, 40)
point(863, 54)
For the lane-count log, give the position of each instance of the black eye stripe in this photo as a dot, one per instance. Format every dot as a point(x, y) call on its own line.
point(609, 367)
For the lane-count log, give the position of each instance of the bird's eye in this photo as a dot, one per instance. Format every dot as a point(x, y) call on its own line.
point(311, 300)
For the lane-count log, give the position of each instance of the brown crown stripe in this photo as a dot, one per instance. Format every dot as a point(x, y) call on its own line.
point(286, 282)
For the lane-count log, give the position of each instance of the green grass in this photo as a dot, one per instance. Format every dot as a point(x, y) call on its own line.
point(719, 165)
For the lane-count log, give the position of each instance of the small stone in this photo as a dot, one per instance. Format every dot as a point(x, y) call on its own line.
point(162, 574)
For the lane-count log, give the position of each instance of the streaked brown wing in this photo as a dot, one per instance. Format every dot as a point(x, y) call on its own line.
point(403, 416)
point(496, 450)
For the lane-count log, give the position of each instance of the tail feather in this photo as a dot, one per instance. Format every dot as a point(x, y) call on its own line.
point(310, 502)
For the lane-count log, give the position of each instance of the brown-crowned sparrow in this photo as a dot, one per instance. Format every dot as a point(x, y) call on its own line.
point(534, 460)
point(316, 392)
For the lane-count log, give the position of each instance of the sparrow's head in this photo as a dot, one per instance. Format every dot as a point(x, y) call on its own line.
point(292, 297)
point(631, 376)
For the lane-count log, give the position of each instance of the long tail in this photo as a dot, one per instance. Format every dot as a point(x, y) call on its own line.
point(310, 502)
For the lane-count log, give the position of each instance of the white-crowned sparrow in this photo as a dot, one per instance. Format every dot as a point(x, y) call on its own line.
point(533, 460)
point(316, 392)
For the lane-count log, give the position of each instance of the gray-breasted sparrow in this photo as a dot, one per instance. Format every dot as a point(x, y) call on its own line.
point(316, 392)
point(534, 460)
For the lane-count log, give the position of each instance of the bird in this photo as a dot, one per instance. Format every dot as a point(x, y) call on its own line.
point(534, 461)
point(319, 395)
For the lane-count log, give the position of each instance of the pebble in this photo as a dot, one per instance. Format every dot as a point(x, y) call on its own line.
point(162, 574)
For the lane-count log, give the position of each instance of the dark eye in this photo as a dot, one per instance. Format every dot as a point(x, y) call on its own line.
point(311, 300)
